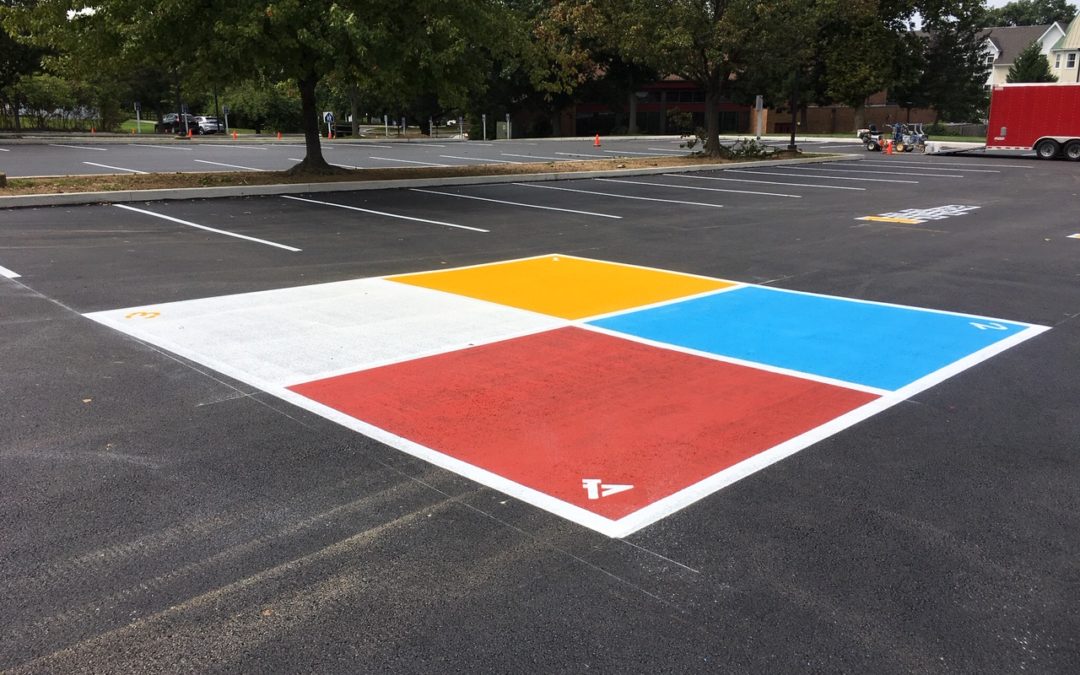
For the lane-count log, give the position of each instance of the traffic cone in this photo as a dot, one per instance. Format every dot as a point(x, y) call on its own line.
point(93, 130)
point(234, 135)
point(189, 134)
point(888, 148)
point(279, 135)
point(596, 143)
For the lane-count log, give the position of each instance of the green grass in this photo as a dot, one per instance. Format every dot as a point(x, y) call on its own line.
point(128, 126)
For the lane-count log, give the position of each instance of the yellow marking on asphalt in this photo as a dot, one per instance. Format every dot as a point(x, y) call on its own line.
point(889, 219)
point(143, 315)
point(569, 288)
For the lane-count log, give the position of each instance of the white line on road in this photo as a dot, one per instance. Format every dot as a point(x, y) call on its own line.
point(694, 187)
point(383, 213)
point(681, 151)
point(554, 159)
point(481, 159)
point(886, 173)
point(208, 229)
point(486, 144)
point(527, 206)
point(766, 182)
point(407, 161)
point(161, 147)
point(4, 150)
point(5, 272)
point(114, 168)
point(424, 145)
point(618, 196)
point(76, 147)
point(580, 154)
point(234, 147)
point(871, 180)
point(868, 162)
point(630, 152)
point(231, 166)
point(950, 165)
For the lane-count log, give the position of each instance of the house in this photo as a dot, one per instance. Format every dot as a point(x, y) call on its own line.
point(1065, 54)
point(1004, 43)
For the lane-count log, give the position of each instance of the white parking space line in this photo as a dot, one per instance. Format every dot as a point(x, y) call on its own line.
point(407, 161)
point(4, 150)
point(694, 187)
point(554, 159)
point(791, 175)
point(523, 205)
point(958, 164)
point(208, 229)
point(114, 168)
point(384, 213)
point(884, 173)
point(618, 196)
point(159, 147)
point(5, 272)
point(231, 166)
point(681, 151)
point(1074, 236)
point(77, 147)
point(630, 152)
point(926, 166)
point(767, 182)
point(424, 145)
point(365, 146)
point(481, 159)
point(233, 146)
point(580, 154)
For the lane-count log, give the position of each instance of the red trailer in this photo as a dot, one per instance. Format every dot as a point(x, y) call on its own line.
point(1040, 117)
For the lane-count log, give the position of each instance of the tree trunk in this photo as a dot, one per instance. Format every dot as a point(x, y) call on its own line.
point(354, 110)
point(631, 127)
point(313, 158)
point(712, 119)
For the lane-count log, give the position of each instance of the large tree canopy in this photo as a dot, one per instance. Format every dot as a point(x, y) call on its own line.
point(1031, 13)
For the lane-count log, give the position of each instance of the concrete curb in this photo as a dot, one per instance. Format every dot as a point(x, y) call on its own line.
point(74, 198)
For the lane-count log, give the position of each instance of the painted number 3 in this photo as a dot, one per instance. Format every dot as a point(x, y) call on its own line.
point(992, 325)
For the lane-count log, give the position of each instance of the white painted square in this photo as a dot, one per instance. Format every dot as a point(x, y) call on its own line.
point(292, 335)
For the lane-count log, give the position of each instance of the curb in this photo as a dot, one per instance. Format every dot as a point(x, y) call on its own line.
point(75, 198)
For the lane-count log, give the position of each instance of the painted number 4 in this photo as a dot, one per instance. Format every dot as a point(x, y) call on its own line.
point(597, 489)
point(991, 325)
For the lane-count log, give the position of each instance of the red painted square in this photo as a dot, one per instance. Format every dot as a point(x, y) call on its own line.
point(549, 410)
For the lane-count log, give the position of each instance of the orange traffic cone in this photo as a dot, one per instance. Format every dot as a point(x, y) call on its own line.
point(189, 134)
point(279, 135)
point(234, 135)
point(596, 143)
point(888, 148)
point(93, 130)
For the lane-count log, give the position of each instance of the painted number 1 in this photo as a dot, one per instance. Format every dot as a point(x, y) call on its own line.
point(992, 325)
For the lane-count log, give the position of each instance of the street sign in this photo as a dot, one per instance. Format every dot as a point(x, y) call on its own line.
point(138, 106)
point(328, 117)
point(225, 109)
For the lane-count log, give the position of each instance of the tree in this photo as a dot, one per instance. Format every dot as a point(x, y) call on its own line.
point(1031, 13)
point(953, 80)
point(1030, 65)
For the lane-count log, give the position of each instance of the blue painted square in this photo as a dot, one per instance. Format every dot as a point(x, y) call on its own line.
point(869, 344)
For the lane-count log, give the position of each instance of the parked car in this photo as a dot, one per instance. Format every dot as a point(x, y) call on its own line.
point(173, 123)
point(208, 125)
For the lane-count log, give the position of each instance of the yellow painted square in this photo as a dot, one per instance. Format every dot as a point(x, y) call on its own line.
point(566, 287)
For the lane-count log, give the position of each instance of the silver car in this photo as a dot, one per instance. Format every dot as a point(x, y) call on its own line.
point(208, 125)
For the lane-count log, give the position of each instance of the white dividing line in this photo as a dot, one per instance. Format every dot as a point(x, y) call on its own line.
point(114, 168)
point(5, 272)
point(383, 213)
point(4, 150)
point(959, 164)
point(424, 145)
point(77, 147)
point(481, 159)
point(618, 196)
point(554, 159)
point(234, 147)
point(407, 161)
point(694, 187)
point(870, 180)
point(766, 182)
point(159, 147)
point(365, 146)
point(527, 206)
point(231, 166)
point(1074, 236)
point(886, 173)
point(208, 229)
point(580, 154)
point(869, 162)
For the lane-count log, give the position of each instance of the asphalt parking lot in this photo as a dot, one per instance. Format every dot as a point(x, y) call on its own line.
point(214, 153)
point(172, 500)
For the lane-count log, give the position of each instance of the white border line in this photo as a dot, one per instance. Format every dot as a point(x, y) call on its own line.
point(115, 168)
point(208, 229)
point(521, 204)
point(77, 147)
point(885, 173)
point(617, 195)
point(384, 213)
point(5, 272)
point(231, 166)
point(481, 159)
point(160, 147)
point(865, 180)
point(868, 162)
point(766, 182)
point(407, 161)
point(1074, 236)
point(695, 187)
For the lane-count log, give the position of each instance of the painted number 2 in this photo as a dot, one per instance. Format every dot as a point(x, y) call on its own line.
point(992, 325)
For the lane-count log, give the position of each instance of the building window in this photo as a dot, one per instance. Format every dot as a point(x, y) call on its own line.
point(1057, 61)
point(1070, 60)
